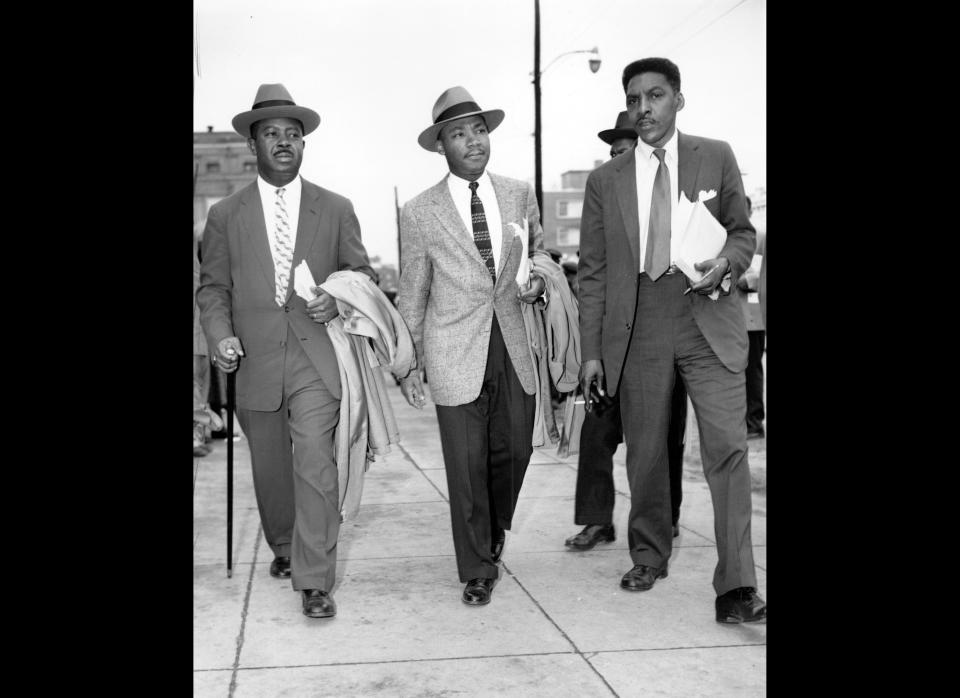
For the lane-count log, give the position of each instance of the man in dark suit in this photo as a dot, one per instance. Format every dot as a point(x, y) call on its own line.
point(641, 319)
point(747, 286)
point(288, 381)
point(602, 429)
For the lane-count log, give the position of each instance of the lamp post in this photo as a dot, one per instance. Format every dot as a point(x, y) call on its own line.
point(594, 64)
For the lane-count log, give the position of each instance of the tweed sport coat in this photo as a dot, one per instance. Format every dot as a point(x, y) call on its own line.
point(610, 258)
point(236, 295)
point(447, 297)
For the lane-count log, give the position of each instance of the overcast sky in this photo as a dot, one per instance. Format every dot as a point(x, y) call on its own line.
point(373, 69)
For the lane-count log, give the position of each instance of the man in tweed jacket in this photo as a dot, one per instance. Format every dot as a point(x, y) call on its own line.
point(463, 242)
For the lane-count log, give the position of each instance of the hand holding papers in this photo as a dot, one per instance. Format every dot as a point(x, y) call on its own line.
point(303, 282)
point(700, 236)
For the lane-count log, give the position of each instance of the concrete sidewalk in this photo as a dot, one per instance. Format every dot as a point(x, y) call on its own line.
point(558, 623)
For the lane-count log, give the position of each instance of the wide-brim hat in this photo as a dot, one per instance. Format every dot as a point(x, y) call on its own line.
point(273, 101)
point(623, 129)
point(455, 103)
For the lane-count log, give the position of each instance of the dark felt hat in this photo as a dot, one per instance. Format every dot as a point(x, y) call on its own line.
point(623, 129)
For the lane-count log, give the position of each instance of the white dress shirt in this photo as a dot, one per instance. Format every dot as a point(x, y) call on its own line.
point(647, 164)
point(291, 197)
point(460, 191)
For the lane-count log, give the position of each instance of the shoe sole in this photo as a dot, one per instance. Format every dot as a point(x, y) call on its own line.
point(591, 546)
point(662, 575)
point(476, 603)
point(320, 615)
point(280, 576)
point(736, 620)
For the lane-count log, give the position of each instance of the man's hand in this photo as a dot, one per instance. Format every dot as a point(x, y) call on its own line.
point(717, 269)
point(323, 308)
point(591, 371)
point(535, 288)
point(227, 356)
point(412, 389)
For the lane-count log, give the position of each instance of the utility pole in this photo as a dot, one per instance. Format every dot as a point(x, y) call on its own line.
point(538, 170)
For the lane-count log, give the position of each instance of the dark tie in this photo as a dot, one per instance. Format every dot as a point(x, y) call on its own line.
point(657, 257)
point(481, 235)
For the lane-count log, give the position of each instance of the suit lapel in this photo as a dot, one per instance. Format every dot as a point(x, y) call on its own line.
point(626, 187)
point(307, 228)
point(689, 164)
point(446, 212)
point(253, 226)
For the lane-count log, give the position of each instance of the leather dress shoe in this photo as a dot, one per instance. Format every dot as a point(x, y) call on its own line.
point(676, 530)
point(280, 567)
point(496, 549)
point(478, 591)
point(591, 535)
point(741, 605)
point(642, 577)
point(318, 604)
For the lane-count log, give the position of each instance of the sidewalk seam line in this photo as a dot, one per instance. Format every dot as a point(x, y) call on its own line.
point(243, 615)
point(562, 632)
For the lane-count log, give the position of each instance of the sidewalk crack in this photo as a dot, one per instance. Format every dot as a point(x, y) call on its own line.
point(243, 615)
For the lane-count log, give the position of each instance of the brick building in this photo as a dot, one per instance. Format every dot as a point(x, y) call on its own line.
point(222, 164)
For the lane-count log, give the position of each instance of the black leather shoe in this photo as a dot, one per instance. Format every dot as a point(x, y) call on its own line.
point(478, 591)
point(590, 536)
point(280, 567)
point(642, 577)
point(676, 530)
point(497, 547)
point(318, 604)
point(741, 605)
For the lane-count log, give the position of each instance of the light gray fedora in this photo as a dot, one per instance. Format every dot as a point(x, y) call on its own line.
point(455, 103)
point(273, 101)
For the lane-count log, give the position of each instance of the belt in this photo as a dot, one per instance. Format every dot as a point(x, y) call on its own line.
point(672, 269)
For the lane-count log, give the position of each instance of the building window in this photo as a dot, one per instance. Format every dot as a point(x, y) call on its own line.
point(250, 166)
point(568, 236)
point(569, 209)
point(213, 167)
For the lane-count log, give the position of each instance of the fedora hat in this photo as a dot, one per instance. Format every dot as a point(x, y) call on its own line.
point(623, 129)
point(273, 101)
point(455, 103)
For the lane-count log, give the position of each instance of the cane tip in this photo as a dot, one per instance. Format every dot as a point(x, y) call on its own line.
point(229, 574)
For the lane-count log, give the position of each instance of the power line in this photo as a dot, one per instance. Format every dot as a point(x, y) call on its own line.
point(711, 23)
point(196, 41)
point(699, 10)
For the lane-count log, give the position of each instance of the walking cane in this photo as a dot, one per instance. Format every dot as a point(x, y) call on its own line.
point(231, 392)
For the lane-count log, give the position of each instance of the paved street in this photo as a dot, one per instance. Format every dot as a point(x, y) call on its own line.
point(558, 623)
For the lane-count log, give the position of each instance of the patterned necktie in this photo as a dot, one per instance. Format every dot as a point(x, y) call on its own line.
point(481, 235)
point(657, 257)
point(282, 249)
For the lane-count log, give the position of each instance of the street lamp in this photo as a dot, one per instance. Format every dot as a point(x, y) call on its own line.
point(594, 63)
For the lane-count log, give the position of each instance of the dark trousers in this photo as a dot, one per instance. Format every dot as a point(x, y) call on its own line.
point(486, 446)
point(666, 338)
point(754, 377)
point(600, 435)
point(294, 472)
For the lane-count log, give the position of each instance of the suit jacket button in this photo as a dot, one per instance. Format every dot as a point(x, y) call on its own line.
point(628, 325)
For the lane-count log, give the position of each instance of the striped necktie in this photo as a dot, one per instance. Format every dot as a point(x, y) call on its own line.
point(657, 257)
point(282, 248)
point(481, 234)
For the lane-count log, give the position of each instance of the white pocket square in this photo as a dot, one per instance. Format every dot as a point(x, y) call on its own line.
point(706, 195)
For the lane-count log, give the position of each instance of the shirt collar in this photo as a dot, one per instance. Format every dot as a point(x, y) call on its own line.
point(455, 182)
point(291, 188)
point(645, 152)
